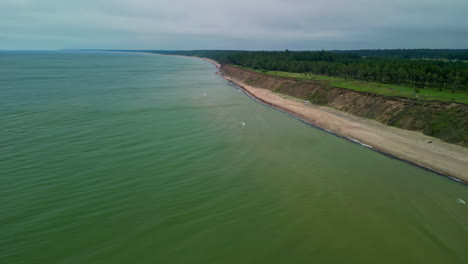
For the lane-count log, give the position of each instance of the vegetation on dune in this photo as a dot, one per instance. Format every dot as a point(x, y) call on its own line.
point(385, 89)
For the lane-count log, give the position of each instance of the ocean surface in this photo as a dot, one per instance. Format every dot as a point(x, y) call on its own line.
point(139, 158)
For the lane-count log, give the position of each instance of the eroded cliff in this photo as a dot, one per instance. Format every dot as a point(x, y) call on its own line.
point(444, 120)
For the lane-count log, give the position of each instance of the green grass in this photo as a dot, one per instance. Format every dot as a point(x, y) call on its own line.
point(378, 88)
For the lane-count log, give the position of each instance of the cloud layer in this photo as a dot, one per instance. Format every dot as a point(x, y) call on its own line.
point(240, 24)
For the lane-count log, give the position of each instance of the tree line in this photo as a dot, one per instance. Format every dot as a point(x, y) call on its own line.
point(448, 54)
point(399, 71)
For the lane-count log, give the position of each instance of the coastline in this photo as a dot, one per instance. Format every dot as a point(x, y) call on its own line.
point(410, 146)
point(443, 158)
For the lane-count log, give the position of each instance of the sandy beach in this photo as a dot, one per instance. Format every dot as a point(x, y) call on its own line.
point(414, 147)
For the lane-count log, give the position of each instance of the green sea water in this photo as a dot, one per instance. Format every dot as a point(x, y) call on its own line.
point(139, 158)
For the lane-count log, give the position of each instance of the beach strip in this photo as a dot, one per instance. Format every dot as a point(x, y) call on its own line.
point(414, 147)
point(411, 146)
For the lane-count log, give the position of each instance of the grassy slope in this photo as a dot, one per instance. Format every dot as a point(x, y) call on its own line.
point(378, 88)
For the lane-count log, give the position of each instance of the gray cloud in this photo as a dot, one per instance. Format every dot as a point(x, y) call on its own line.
point(241, 24)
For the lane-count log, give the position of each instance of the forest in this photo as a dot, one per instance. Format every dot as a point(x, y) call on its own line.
point(442, 74)
point(448, 54)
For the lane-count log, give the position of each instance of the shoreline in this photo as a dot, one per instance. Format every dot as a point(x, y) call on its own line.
point(215, 63)
point(460, 178)
point(413, 147)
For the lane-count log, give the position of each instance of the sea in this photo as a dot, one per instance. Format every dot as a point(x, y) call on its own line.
point(110, 157)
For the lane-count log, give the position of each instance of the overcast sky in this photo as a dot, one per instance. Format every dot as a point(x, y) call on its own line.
point(234, 24)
